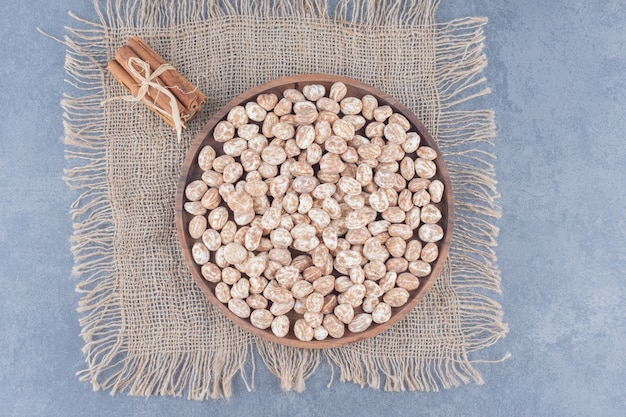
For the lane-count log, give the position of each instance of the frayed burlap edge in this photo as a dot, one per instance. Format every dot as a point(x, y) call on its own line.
point(462, 136)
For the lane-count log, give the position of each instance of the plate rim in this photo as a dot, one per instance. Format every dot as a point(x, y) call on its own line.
point(306, 79)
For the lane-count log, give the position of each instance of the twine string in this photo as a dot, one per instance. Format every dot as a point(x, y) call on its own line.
point(147, 80)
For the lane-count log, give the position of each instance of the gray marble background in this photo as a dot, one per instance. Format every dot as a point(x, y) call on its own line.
point(557, 70)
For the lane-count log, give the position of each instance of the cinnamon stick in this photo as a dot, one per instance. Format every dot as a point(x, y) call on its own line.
point(123, 56)
point(185, 91)
point(131, 84)
point(130, 65)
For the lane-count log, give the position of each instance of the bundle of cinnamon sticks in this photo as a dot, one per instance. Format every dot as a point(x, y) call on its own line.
point(157, 84)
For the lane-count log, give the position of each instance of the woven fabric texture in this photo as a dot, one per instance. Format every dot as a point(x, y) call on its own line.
point(148, 329)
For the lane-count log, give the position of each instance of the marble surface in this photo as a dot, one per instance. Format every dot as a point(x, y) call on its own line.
point(559, 91)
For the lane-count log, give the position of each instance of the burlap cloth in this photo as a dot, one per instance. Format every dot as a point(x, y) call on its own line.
point(148, 329)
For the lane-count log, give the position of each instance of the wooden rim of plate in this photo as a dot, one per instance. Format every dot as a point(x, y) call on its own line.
point(191, 171)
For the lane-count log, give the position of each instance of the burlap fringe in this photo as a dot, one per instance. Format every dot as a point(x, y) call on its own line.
point(466, 139)
point(204, 374)
point(170, 13)
point(414, 374)
point(291, 366)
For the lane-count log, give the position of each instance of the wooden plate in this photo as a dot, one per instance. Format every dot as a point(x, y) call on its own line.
point(191, 171)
